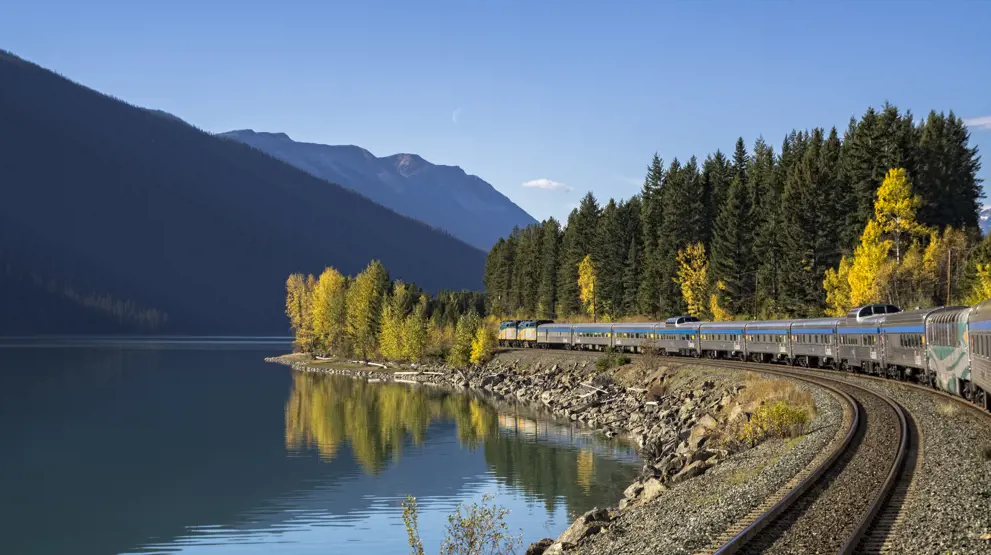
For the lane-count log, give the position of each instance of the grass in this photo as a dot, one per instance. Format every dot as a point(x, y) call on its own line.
point(778, 409)
point(947, 408)
point(741, 476)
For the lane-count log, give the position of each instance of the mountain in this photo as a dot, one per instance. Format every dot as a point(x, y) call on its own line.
point(984, 220)
point(444, 197)
point(147, 223)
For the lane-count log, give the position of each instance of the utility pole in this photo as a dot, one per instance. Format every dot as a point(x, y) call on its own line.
point(948, 261)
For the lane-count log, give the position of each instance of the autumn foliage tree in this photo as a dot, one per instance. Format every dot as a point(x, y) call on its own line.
point(330, 312)
point(693, 278)
point(464, 335)
point(587, 281)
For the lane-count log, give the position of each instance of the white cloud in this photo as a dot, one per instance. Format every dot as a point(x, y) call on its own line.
point(455, 116)
point(980, 122)
point(544, 183)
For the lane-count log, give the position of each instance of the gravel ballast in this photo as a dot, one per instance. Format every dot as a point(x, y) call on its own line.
point(687, 517)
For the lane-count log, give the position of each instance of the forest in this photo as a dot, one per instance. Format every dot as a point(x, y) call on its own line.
point(370, 316)
point(887, 212)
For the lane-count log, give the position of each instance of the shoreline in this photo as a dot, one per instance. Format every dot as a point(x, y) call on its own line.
point(676, 415)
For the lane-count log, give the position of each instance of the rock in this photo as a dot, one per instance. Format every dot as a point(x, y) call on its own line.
point(652, 489)
point(539, 547)
point(547, 398)
point(557, 548)
point(708, 422)
point(695, 469)
point(633, 491)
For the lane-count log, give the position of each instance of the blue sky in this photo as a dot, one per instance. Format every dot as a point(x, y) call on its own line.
point(579, 94)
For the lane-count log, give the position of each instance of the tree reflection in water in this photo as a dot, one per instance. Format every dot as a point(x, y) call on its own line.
point(545, 460)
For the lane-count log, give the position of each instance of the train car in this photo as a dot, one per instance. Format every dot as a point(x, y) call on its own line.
point(947, 350)
point(979, 334)
point(591, 337)
point(813, 342)
point(632, 337)
point(554, 336)
point(768, 341)
point(859, 338)
point(678, 335)
point(904, 340)
point(507, 333)
point(526, 335)
point(722, 339)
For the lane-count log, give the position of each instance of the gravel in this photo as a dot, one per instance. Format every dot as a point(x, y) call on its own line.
point(687, 517)
point(824, 518)
point(949, 508)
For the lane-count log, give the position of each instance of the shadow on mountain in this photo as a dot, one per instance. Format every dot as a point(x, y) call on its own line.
point(126, 204)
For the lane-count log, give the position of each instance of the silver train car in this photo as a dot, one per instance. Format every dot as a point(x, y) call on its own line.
point(948, 348)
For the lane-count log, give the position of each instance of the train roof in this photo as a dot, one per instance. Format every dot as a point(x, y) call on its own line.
point(917, 316)
point(683, 319)
point(731, 325)
point(868, 310)
point(768, 324)
point(635, 325)
point(814, 323)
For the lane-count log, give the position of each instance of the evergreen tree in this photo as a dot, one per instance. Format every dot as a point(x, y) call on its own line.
point(567, 273)
point(946, 177)
point(716, 178)
point(651, 217)
point(734, 262)
point(763, 175)
point(609, 256)
point(550, 240)
point(580, 240)
point(631, 278)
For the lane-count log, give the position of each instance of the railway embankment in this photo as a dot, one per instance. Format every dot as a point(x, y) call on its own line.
point(706, 462)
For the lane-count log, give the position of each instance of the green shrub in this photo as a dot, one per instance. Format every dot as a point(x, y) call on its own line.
point(477, 528)
point(610, 360)
point(778, 419)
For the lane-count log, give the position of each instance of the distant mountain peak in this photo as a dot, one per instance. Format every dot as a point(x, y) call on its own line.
point(441, 196)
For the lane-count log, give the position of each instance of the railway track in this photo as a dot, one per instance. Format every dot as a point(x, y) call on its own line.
point(847, 500)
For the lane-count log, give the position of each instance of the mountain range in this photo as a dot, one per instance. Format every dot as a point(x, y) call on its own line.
point(115, 218)
point(445, 197)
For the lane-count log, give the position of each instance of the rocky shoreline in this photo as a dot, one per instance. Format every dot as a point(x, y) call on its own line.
point(681, 417)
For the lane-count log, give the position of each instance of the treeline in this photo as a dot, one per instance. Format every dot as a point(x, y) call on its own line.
point(752, 234)
point(370, 316)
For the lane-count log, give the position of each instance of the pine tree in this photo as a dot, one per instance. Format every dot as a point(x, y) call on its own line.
point(732, 244)
point(716, 178)
point(550, 242)
point(631, 278)
point(609, 255)
point(763, 174)
point(651, 217)
point(946, 178)
point(567, 302)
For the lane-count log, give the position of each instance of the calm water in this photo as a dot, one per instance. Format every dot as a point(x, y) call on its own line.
point(161, 447)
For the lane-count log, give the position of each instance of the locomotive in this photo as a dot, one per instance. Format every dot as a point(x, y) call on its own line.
point(948, 347)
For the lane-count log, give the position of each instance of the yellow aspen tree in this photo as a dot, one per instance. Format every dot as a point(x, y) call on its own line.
point(981, 289)
point(414, 335)
point(895, 209)
point(868, 261)
point(295, 298)
point(837, 285)
point(364, 308)
point(719, 314)
point(390, 328)
point(693, 277)
point(464, 333)
point(483, 345)
point(329, 313)
point(587, 280)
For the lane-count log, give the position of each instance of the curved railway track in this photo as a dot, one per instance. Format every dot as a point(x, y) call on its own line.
point(840, 504)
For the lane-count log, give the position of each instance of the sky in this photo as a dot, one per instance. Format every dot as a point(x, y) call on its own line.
point(546, 99)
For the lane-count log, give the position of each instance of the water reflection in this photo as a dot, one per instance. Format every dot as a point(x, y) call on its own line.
point(546, 460)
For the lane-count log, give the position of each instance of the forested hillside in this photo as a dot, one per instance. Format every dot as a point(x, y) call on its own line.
point(759, 228)
point(129, 212)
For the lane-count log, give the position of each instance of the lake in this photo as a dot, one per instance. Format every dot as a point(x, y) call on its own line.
point(199, 446)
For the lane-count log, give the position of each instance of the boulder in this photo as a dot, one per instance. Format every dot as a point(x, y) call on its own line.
point(539, 547)
point(708, 422)
point(586, 525)
point(652, 488)
point(557, 548)
point(633, 491)
point(692, 470)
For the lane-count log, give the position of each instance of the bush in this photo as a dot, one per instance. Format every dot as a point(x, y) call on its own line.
point(478, 528)
point(611, 359)
point(778, 419)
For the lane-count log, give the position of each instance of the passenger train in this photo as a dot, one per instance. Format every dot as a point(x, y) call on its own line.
point(947, 347)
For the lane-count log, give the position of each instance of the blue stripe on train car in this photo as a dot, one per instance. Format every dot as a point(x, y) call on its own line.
point(635, 330)
point(904, 329)
point(809, 331)
point(721, 330)
point(593, 330)
point(857, 330)
point(980, 325)
point(754, 331)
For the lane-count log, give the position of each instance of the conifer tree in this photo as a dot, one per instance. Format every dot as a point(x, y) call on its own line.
point(716, 177)
point(651, 216)
point(609, 255)
point(732, 243)
point(550, 240)
point(567, 302)
point(631, 278)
